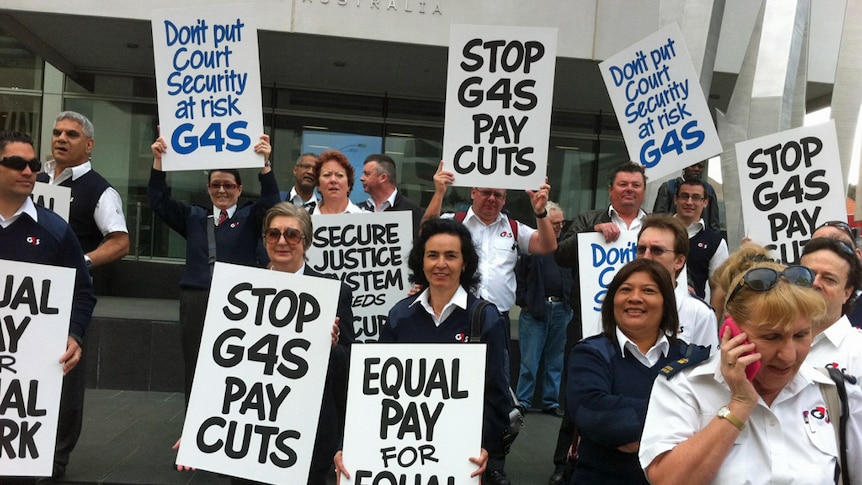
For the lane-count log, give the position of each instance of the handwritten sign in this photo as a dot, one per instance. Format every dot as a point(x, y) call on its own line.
point(414, 413)
point(53, 197)
point(264, 354)
point(208, 84)
point(35, 308)
point(659, 104)
point(369, 253)
point(499, 94)
point(791, 182)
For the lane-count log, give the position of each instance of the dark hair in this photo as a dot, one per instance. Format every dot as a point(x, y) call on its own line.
point(231, 171)
point(306, 154)
point(845, 252)
point(336, 156)
point(628, 166)
point(385, 164)
point(432, 227)
point(8, 136)
point(692, 181)
point(668, 223)
point(670, 319)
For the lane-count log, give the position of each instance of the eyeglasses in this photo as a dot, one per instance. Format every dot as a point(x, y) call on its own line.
point(227, 186)
point(19, 163)
point(291, 235)
point(841, 225)
point(487, 193)
point(692, 197)
point(764, 279)
point(656, 251)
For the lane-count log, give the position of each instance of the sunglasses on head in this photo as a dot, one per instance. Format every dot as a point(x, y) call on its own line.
point(18, 163)
point(765, 279)
point(291, 235)
point(840, 225)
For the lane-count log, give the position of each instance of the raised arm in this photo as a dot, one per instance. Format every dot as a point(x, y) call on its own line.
point(543, 241)
point(442, 180)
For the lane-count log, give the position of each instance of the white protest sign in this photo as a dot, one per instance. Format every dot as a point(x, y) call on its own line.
point(208, 85)
point(264, 355)
point(35, 308)
point(659, 104)
point(53, 197)
point(598, 262)
point(791, 182)
point(499, 95)
point(368, 252)
point(414, 413)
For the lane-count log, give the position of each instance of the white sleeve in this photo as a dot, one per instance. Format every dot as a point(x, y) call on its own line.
point(720, 256)
point(671, 418)
point(525, 232)
point(854, 433)
point(109, 215)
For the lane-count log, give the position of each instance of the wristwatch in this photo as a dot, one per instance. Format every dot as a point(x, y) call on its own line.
point(724, 413)
point(88, 261)
point(543, 215)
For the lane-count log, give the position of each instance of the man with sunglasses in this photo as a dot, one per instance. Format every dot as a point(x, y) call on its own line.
point(838, 275)
point(707, 249)
point(499, 240)
point(221, 231)
point(23, 222)
point(664, 239)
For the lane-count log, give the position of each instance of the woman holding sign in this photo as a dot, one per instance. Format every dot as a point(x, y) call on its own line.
point(754, 413)
point(445, 262)
point(610, 375)
point(335, 176)
point(287, 234)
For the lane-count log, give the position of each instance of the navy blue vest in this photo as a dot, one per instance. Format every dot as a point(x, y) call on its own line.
point(701, 249)
point(86, 191)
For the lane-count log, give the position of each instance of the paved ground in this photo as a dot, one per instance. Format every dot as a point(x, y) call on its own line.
point(127, 439)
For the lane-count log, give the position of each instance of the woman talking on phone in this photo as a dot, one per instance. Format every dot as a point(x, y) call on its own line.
point(726, 421)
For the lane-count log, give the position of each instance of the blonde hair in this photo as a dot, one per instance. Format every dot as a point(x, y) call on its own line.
point(739, 262)
point(779, 306)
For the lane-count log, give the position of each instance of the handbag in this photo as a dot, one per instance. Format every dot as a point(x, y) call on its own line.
point(516, 414)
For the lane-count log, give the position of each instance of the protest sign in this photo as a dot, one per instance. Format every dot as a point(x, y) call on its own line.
point(264, 355)
point(414, 413)
point(659, 104)
point(500, 86)
point(35, 308)
point(598, 262)
point(53, 197)
point(791, 182)
point(208, 85)
point(368, 252)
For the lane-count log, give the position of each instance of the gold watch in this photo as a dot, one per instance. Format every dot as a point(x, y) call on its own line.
point(724, 413)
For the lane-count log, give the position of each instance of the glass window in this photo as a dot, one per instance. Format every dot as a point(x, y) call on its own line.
point(22, 113)
point(19, 68)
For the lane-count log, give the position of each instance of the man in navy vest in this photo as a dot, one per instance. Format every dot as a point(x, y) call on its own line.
point(21, 223)
point(707, 249)
point(96, 216)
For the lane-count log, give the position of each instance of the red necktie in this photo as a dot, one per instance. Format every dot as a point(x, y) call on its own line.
point(222, 217)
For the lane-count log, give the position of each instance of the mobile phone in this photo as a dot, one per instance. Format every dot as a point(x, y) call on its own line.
point(752, 369)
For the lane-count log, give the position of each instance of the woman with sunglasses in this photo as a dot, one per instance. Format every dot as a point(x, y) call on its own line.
point(287, 235)
point(610, 375)
point(713, 423)
point(838, 273)
point(334, 175)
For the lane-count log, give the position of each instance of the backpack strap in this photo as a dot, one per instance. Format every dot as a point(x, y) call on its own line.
point(836, 399)
point(476, 320)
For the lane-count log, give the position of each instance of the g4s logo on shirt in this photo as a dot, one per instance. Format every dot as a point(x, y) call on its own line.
point(35, 241)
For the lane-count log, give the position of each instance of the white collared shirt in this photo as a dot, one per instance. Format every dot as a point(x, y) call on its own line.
point(28, 207)
point(621, 223)
point(459, 300)
point(659, 349)
point(389, 202)
point(839, 346)
point(108, 215)
point(498, 253)
point(697, 323)
point(295, 199)
point(217, 212)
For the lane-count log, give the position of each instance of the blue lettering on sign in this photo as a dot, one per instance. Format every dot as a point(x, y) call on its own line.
point(212, 137)
point(612, 259)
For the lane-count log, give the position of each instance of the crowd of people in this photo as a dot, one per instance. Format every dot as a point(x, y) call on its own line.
point(663, 394)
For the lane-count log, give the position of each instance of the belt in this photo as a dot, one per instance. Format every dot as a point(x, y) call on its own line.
point(554, 299)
